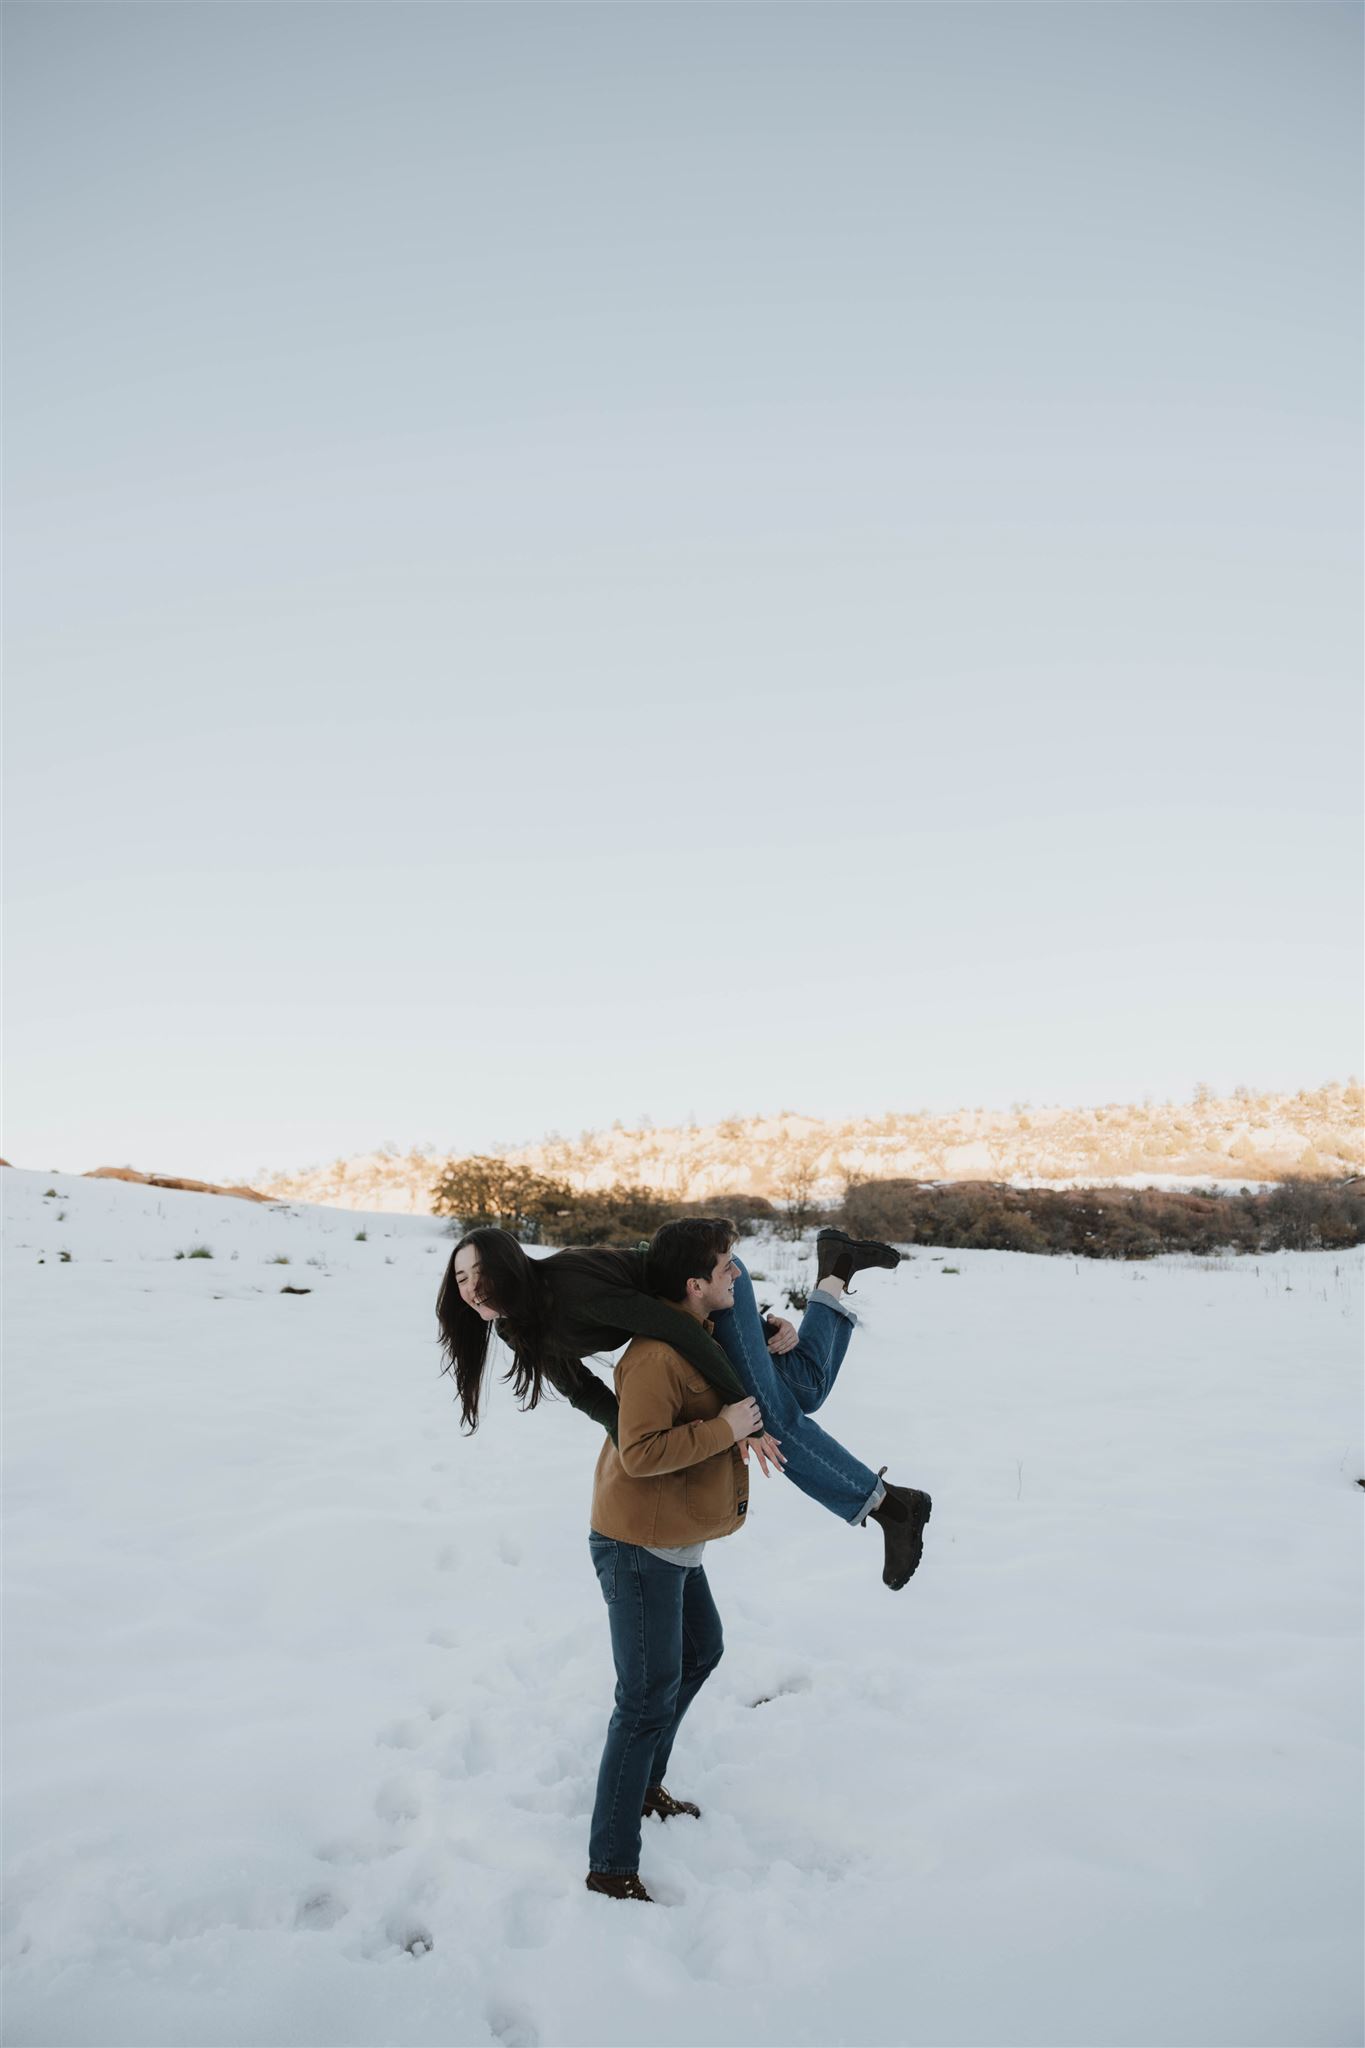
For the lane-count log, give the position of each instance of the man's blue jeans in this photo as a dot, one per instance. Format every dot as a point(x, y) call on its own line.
point(666, 1639)
point(788, 1389)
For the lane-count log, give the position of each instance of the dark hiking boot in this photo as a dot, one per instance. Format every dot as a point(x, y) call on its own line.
point(902, 1515)
point(842, 1256)
point(618, 1884)
point(659, 1800)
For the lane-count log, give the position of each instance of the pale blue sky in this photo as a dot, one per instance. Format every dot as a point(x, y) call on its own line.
point(575, 561)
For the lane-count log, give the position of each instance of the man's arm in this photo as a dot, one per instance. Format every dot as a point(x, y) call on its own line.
point(651, 1441)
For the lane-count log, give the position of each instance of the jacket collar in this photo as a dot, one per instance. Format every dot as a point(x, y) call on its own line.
point(708, 1325)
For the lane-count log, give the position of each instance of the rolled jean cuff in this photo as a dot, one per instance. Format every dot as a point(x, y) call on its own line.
point(823, 1297)
point(874, 1500)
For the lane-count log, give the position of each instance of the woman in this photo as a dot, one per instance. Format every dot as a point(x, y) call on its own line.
point(552, 1312)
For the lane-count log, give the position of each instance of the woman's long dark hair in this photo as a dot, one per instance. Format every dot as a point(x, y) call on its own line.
point(510, 1283)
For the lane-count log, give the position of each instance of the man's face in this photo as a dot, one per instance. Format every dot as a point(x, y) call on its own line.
point(719, 1291)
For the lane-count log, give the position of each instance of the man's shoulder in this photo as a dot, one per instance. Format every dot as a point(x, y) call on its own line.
point(652, 1354)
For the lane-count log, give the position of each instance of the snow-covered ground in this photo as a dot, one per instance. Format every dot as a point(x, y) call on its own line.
point(306, 1692)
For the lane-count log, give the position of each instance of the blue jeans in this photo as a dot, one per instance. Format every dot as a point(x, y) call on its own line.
point(666, 1639)
point(788, 1389)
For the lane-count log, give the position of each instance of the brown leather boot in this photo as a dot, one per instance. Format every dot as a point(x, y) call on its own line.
point(618, 1884)
point(659, 1800)
point(841, 1255)
point(902, 1515)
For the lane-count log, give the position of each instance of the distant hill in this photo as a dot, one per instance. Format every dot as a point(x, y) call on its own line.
point(1237, 1138)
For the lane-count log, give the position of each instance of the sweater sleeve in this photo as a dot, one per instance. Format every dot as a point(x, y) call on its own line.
point(632, 1309)
point(650, 1441)
point(584, 1391)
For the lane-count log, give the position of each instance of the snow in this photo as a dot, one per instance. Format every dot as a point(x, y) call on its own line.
point(306, 1692)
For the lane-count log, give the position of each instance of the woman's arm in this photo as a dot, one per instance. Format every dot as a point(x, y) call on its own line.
point(584, 1391)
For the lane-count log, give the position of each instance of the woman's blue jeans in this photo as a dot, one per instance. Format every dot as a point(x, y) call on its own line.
point(788, 1389)
point(666, 1639)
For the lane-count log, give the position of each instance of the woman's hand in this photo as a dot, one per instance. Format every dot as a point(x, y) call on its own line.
point(784, 1337)
point(764, 1447)
point(743, 1418)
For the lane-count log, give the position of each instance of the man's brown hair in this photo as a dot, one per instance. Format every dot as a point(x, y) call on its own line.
point(686, 1249)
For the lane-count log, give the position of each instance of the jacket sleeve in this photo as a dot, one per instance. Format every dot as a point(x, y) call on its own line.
point(630, 1308)
point(650, 1439)
point(584, 1391)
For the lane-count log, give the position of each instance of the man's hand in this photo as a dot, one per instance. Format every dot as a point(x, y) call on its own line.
point(784, 1337)
point(764, 1448)
point(743, 1417)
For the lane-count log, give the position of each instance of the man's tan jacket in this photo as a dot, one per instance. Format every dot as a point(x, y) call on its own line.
point(677, 1476)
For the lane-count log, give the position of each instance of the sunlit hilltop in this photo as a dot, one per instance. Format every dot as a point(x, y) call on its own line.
point(1240, 1137)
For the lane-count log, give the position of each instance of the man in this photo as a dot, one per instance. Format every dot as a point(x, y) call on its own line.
point(673, 1481)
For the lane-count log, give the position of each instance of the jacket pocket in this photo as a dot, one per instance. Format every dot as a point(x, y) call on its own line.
point(711, 1494)
point(699, 1402)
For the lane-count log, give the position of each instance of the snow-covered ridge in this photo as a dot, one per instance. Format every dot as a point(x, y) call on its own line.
point(1236, 1139)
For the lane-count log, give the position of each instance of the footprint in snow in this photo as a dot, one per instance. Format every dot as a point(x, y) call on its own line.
point(469, 1754)
point(320, 1911)
point(444, 1639)
point(447, 1559)
point(509, 1550)
point(513, 2026)
point(398, 1801)
point(411, 1935)
point(401, 1735)
point(789, 1685)
point(356, 1849)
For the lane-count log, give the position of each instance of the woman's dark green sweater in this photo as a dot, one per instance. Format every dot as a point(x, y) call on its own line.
point(598, 1302)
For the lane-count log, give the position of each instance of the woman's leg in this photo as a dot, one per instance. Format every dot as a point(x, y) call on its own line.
point(812, 1366)
point(644, 1597)
point(816, 1463)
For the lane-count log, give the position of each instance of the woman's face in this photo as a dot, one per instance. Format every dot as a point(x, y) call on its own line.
point(467, 1280)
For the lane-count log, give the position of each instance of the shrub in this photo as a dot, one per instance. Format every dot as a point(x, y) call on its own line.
point(1107, 1223)
point(795, 1190)
point(480, 1190)
point(1305, 1215)
point(887, 1209)
point(612, 1215)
